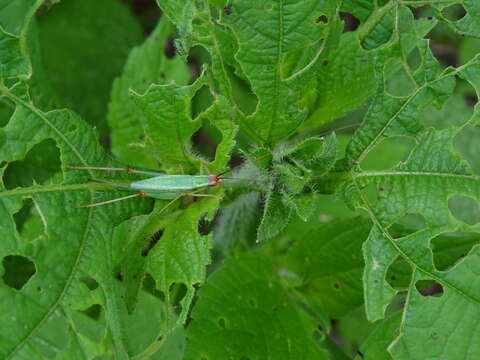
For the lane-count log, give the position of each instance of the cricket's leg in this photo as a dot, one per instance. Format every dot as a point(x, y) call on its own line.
point(111, 201)
point(202, 195)
point(128, 170)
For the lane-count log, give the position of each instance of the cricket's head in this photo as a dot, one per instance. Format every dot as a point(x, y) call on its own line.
point(214, 180)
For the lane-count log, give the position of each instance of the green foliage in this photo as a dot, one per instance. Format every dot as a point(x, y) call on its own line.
point(332, 239)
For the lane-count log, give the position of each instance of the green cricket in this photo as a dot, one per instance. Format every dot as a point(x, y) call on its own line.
point(159, 186)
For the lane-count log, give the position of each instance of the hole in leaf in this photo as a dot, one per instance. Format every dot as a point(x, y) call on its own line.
point(6, 111)
point(201, 101)
point(351, 22)
point(322, 19)
point(429, 288)
point(94, 312)
point(18, 270)
point(153, 241)
point(169, 48)
point(388, 153)
point(28, 222)
point(41, 165)
point(221, 323)
point(244, 97)
point(450, 248)
point(205, 141)
point(407, 224)
point(150, 287)
point(177, 292)
point(91, 283)
point(440, 40)
point(414, 59)
point(465, 209)
point(467, 144)
point(454, 12)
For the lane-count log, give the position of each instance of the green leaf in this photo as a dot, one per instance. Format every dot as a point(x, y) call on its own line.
point(329, 266)
point(181, 257)
point(144, 67)
point(81, 64)
point(377, 343)
point(274, 118)
point(260, 321)
point(276, 215)
point(421, 185)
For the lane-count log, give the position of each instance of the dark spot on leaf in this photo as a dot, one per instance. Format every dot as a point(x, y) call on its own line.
point(336, 285)
point(393, 278)
point(434, 335)
point(39, 289)
point(91, 283)
point(204, 226)
point(429, 288)
point(325, 62)
point(227, 10)
point(119, 276)
point(321, 19)
point(153, 241)
point(359, 353)
point(221, 323)
point(18, 270)
point(93, 311)
point(252, 302)
point(375, 281)
point(351, 22)
point(169, 49)
point(160, 338)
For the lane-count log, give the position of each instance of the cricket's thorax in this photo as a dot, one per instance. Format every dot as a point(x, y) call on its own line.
point(172, 183)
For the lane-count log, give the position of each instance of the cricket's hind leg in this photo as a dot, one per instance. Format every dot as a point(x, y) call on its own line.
point(112, 201)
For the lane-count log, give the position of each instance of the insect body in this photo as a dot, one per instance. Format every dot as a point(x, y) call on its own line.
point(159, 186)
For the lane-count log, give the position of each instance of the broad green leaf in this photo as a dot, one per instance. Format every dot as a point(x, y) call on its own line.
point(78, 60)
point(244, 310)
point(146, 65)
point(329, 265)
point(180, 258)
point(421, 185)
point(279, 28)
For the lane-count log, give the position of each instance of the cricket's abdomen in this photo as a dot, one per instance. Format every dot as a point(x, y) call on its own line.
point(170, 186)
